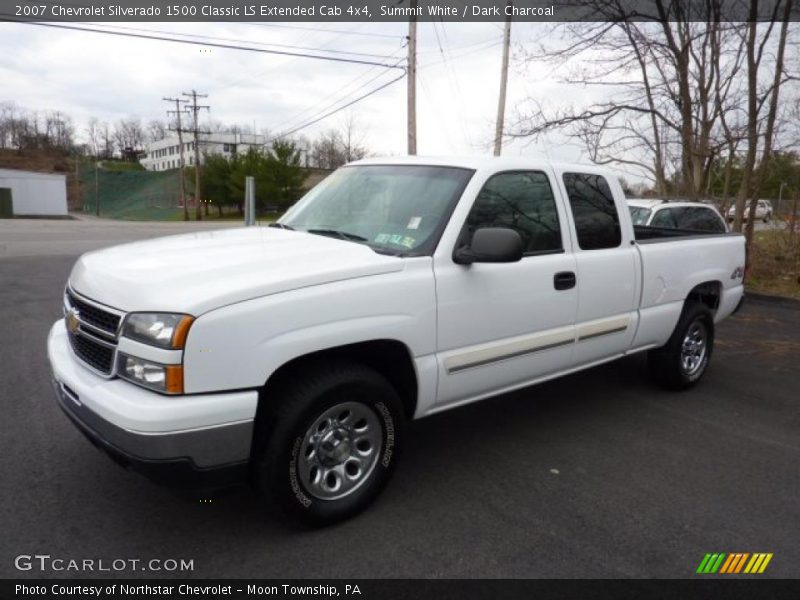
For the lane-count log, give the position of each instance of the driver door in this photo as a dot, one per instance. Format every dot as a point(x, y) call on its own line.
point(502, 325)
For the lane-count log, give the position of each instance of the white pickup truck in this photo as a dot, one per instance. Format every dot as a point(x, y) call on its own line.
point(290, 356)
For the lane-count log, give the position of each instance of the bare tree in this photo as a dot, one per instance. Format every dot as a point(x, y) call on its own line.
point(326, 151)
point(129, 136)
point(7, 115)
point(156, 130)
point(107, 140)
point(674, 95)
point(93, 135)
point(352, 139)
point(58, 131)
point(762, 97)
point(337, 147)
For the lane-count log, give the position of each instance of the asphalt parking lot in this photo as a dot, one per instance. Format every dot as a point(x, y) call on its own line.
point(599, 474)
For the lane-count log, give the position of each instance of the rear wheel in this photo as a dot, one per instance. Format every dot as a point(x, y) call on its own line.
point(333, 442)
point(683, 360)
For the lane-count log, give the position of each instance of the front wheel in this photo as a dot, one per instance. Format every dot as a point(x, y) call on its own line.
point(333, 443)
point(683, 360)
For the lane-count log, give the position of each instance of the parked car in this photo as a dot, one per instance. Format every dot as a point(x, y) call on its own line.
point(291, 356)
point(677, 215)
point(763, 211)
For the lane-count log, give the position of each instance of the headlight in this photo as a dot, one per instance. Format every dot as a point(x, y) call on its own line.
point(162, 378)
point(158, 329)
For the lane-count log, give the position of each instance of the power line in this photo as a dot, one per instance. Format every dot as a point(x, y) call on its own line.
point(342, 98)
point(319, 29)
point(454, 57)
point(455, 48)
point(197, 43)
point(261, 72)
point(431, 98)
point(341, 108)
point(452, 80)
point(223, 39)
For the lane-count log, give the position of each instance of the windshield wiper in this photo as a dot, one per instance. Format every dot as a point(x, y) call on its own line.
point(351, 237)
point(281, 226)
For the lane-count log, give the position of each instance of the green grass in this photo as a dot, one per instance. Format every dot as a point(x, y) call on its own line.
point(775, 263)
point(122, 166)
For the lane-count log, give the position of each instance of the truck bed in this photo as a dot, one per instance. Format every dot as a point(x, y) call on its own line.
point(646, 234)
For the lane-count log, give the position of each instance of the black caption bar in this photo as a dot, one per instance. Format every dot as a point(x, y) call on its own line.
point(420, 589)
point(392, 10)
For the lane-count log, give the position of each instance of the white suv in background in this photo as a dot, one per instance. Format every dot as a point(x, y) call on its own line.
point(763, 211)
point(676, 215)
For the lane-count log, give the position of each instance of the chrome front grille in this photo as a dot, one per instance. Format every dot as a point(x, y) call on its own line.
point(94, 316)
point(93, 332)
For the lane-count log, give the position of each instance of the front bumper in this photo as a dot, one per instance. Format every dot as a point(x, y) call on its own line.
point(199, 441)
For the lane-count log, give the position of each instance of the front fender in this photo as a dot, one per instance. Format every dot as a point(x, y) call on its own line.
point(239, 346)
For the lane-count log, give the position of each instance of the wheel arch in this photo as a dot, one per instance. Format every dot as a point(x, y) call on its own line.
point(708, 293)
point(391, 358)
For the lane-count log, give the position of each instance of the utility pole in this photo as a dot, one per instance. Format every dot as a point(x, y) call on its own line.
point(195, 108)
point(177, 112)
point(501, 102)
point(412, 79)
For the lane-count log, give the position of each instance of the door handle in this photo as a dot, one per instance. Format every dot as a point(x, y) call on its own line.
point(564, 280)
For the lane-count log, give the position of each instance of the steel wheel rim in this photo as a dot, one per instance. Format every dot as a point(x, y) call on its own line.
point(694, 348)
point(340, 450)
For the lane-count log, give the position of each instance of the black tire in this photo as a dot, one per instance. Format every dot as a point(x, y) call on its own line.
point(299, 405)
point(666, 364)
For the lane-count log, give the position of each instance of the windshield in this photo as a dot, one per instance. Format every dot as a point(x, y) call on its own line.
point(398, 209)
point(639, 215)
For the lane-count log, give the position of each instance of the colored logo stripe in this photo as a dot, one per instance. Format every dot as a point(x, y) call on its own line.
point(732, 563)
point(758, 563)
point(711, 563)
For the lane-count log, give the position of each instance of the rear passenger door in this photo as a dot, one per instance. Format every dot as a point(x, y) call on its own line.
point(607, 268)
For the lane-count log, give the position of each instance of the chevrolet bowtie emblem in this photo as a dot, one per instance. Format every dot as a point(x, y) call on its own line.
point(73, 323)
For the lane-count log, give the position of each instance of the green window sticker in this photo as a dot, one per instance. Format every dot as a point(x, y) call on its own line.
point(395, 238)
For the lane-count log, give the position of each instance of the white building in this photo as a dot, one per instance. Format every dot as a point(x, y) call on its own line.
point(35, 194)
point(165, 154)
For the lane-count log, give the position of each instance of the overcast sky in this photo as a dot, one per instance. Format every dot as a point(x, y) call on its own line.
point(110, 77)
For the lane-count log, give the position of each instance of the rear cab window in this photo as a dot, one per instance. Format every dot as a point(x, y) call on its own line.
point(593, 210)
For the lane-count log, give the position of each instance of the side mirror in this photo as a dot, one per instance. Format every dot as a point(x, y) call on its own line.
point(491, 245)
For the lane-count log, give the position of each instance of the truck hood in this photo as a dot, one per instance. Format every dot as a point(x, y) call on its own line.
point(198, 272)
